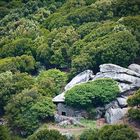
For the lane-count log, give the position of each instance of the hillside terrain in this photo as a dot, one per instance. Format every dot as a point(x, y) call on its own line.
point(46, 43)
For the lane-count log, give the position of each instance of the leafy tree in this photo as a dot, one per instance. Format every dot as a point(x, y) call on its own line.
point(11, 84)
point(95, 93)
point(26, 110)
point(106, 48)
point(60, 42)
point(52, 81)
point(22, 63)
point(45, 134)
point(17, 47)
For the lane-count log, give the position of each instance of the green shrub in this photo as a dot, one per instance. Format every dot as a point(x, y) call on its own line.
point(22, 63)
point(110, 132)
point(11, 84)
point(117, 132)
point(4, 133)
point(95, 93)
point(45, 134)
point(134, 102)
point(52, 81)
point(89, 135)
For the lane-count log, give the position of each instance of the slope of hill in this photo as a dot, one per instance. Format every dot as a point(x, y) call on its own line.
point(44, 43)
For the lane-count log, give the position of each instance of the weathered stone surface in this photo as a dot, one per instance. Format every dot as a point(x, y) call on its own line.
point(127, 79)
point(126, 87)
point(70, 121)
point(65, 123)
point(117, 69)
point(113, 104)
point(122, 101)
point(83, 77)
point(61, 118)
point(113, 115)
point(99, 112)
point(134, 67)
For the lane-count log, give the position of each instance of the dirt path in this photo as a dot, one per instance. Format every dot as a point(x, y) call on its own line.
point(74, 131)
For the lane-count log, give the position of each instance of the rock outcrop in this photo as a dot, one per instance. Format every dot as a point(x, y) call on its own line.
point(128, 81)
point(122, 101)
point(83, 77)
point(134, 67)
point(126, 78)
point(112, 115)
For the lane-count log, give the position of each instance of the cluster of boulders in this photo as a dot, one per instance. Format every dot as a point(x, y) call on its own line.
point(128, 81)
point(64, 120)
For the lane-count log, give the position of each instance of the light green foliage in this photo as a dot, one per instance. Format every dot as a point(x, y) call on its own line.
point(60, 42)
point(106, 44)
point(22, 63)
point(16, 48)
point(4, 133)
point(89, 135)
point(45, 134)
point(25, 111)
point(110, 132)
point(11, 84)
point(134, 102)
point(117, 132)
point(52, 81)
point(95, 93)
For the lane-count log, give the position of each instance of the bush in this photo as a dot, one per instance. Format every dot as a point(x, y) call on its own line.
point(89, 135)
point(22, 63)
point(4, 133)
point(117, 132)
point(110, 132)
point(134, 102)
point(52, 81)
point(95, 93)
point(11, 84)
point(46, 134)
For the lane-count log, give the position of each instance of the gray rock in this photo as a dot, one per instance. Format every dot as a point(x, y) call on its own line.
point(134, 67)
point(65, 123)
point(83, 77)
point(113, 115)
point(113, 104)
point(117, 69)
point(70, 121)
point(99, 112)
point(122, 101)
point(126, 87)
point(127, 79)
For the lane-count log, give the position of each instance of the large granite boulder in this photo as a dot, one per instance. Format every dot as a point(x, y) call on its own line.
point(126, 78)
point(134, 67)
point(83, 77)
point(113, 115)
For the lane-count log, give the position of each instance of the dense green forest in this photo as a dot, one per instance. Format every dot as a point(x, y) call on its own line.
point(44, 43)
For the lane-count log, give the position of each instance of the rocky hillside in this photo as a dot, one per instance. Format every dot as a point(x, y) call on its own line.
point(45, 43)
